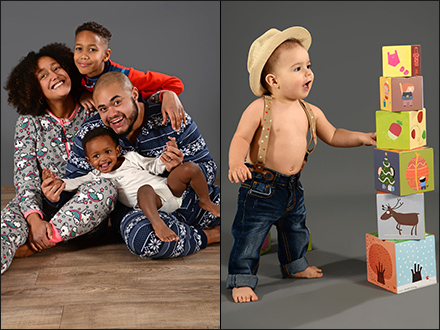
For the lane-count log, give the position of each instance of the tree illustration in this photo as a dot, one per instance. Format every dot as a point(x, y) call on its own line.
point(416, 273)
point(386, 172)
point(380, 262)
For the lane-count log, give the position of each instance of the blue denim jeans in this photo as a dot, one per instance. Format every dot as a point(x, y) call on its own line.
point(261, 204)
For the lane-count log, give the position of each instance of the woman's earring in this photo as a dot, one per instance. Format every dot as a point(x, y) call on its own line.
point(41, 101)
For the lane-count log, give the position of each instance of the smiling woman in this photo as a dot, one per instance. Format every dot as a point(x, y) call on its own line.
point(25, 90)
point(44, 88)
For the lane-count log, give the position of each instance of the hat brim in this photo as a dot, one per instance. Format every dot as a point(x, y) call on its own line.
point(257, 63)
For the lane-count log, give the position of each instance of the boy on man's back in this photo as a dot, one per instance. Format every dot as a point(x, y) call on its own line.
point(92, 58)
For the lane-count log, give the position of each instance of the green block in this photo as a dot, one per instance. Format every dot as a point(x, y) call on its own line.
point(309, 248)
point(267, 245)
point(404, 130)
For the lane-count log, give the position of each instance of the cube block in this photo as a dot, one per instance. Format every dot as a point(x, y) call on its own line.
point(401, 130)
point(267, 245)
point(401, 61)
point(401, 265)
point(401, 93)
point(400, 217)
point(404, 172)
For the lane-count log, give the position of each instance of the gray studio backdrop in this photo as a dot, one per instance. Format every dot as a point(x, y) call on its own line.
point(346, 56)
point(178, 38)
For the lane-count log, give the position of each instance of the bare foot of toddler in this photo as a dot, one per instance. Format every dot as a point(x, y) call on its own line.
point(244, 294)
point(212, 234)
point(210, 207)
point(164, 233)
point(309, 272)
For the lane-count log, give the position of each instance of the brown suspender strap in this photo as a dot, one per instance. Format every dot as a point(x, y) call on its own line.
point(312, 126)
point(264, 138)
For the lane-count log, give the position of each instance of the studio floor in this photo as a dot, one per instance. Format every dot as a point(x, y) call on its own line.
point(342, 298)
point(98, 284)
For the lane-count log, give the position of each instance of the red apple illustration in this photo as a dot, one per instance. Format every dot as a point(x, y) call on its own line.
point(420, 116)
point(395, 130)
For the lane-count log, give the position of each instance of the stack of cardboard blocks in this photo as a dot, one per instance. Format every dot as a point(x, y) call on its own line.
point(401, 255)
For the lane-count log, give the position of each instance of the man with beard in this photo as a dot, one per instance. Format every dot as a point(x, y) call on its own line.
point(139, 127)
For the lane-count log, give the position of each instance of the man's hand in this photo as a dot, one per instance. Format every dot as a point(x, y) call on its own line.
point(171, 156)
point(172, 108)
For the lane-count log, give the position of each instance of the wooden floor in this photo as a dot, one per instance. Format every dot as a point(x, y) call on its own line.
point(99, 283)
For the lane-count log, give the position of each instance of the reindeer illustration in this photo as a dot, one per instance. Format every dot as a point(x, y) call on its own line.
point(406, 219)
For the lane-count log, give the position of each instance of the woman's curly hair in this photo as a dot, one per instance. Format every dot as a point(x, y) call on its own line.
point(24, 91)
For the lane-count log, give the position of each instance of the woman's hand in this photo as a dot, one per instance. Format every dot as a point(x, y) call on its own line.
point(86, 101)
point(172, 156)
point(40, 232)
point(173, 108)
point(52, 187)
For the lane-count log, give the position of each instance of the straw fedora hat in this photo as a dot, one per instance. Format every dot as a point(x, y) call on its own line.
point(263, 47)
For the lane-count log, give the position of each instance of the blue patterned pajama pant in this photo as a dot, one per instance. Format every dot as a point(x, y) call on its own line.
point(187, 222)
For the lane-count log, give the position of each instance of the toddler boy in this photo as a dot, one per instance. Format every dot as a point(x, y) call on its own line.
point(137, 179)
point(267, 154)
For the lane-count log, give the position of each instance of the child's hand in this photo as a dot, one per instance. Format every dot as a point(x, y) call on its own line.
point(52, 187)
point(369, 139)
point(171, 142)
point(173, 108)
point(86, 101)
point(239, 173)
point(172, 156)
point(47, 173)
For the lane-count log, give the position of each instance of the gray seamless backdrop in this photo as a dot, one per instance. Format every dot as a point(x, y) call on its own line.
point(346, 56)
point(178, 38)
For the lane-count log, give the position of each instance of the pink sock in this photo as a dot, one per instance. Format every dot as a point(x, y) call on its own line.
point(56, 237)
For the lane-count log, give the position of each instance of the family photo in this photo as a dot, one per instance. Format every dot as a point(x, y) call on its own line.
point(110, 149)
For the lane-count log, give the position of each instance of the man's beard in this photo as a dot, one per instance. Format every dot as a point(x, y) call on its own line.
point(132, 119)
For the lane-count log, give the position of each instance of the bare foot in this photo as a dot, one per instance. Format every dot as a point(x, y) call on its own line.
point(164, 233)
point(309, 272)
point(210, 207)
point(244, 294)
point(212, 234)
point(24, 251)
